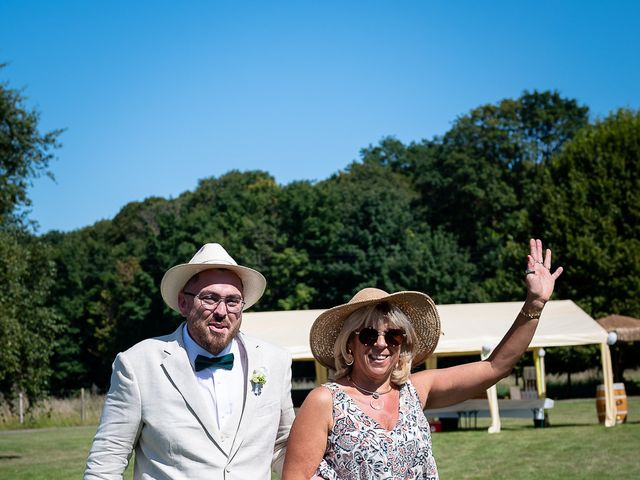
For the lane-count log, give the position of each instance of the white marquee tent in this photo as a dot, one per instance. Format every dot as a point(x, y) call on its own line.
point(467, 328)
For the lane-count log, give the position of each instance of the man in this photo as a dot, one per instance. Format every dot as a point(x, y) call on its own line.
point(188, 416)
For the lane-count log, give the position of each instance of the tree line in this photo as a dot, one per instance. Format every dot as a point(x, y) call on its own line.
point(449, 216)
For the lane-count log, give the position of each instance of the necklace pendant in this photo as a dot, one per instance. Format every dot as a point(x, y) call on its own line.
point(376, 403)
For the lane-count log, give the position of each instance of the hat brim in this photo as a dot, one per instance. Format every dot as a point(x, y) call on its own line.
point(174, 280)
point(417, 306)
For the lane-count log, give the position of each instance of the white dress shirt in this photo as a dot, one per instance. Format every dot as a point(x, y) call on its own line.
point(223, 389)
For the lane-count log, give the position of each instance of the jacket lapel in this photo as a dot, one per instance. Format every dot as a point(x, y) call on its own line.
point(254, 361)
point(177, 367)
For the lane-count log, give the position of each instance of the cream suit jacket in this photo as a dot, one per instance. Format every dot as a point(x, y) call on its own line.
point(155, 407)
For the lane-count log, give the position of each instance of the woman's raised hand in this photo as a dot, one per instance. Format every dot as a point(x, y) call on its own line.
point(539, 279)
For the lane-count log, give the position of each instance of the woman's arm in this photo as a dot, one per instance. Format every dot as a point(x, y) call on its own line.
point(308, 437)
point(448, 386)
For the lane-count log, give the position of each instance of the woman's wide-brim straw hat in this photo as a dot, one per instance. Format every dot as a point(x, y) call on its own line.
point(417, 306)
point(211, 256)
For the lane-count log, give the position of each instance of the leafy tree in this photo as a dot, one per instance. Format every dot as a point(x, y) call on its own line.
point(239, 211)
point(479, 181)
point(25, 153)
point(82, 261)
point(108, 289)
point(28, 324)
point(360, 231)
point(591, 206)
point(487, 160)
point(288, 272)
point(310, 221)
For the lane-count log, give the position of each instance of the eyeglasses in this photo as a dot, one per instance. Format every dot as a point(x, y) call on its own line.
point(211, 301)
point(369, 336)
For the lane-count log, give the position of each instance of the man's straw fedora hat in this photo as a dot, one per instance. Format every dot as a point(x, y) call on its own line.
point(418, 307)
point(211, 256)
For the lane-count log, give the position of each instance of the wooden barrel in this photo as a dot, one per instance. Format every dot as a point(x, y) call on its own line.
point(620, 399)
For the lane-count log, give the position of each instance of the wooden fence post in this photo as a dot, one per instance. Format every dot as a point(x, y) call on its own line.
point(82, 407)
point(21, 407)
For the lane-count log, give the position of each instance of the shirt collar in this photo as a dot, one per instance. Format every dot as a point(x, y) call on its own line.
point(193, 349)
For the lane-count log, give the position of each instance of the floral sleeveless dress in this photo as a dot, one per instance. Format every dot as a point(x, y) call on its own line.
point(359, 448)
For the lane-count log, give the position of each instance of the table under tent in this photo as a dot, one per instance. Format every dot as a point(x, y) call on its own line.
point(468, 329)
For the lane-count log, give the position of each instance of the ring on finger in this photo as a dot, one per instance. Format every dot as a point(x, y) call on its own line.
point(529, 271)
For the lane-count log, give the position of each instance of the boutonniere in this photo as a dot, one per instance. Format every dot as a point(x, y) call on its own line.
point(258, 379)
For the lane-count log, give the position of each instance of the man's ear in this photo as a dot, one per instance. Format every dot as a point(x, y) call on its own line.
point(182, 304)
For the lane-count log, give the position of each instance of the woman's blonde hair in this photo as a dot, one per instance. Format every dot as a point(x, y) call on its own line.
point(372, 316)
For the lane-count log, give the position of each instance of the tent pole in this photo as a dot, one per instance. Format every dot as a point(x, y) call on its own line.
point(541, 381)
point(321, 373)
point(607, 376)
point(492, 397)
point(431, 363)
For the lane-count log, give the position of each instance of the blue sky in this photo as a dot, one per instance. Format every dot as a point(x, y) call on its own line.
point(155, 95)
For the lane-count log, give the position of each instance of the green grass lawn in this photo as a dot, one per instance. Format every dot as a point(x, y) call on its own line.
point(46, 454)
point(574, 446)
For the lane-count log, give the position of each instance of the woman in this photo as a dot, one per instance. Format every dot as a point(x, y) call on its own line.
point(369, 424)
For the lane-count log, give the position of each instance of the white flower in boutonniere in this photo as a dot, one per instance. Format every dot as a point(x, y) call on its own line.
point(258, 379)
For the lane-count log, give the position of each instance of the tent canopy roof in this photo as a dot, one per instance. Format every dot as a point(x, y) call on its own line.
point(466, 327)
point(627, 328)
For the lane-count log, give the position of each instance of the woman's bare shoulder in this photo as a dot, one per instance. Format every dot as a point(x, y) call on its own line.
point(316, 410)
point(319, 397)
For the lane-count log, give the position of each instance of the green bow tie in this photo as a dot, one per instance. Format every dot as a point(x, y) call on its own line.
point(202, 362)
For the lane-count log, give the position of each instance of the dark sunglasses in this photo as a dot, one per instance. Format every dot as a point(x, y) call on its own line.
point(369, 336)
